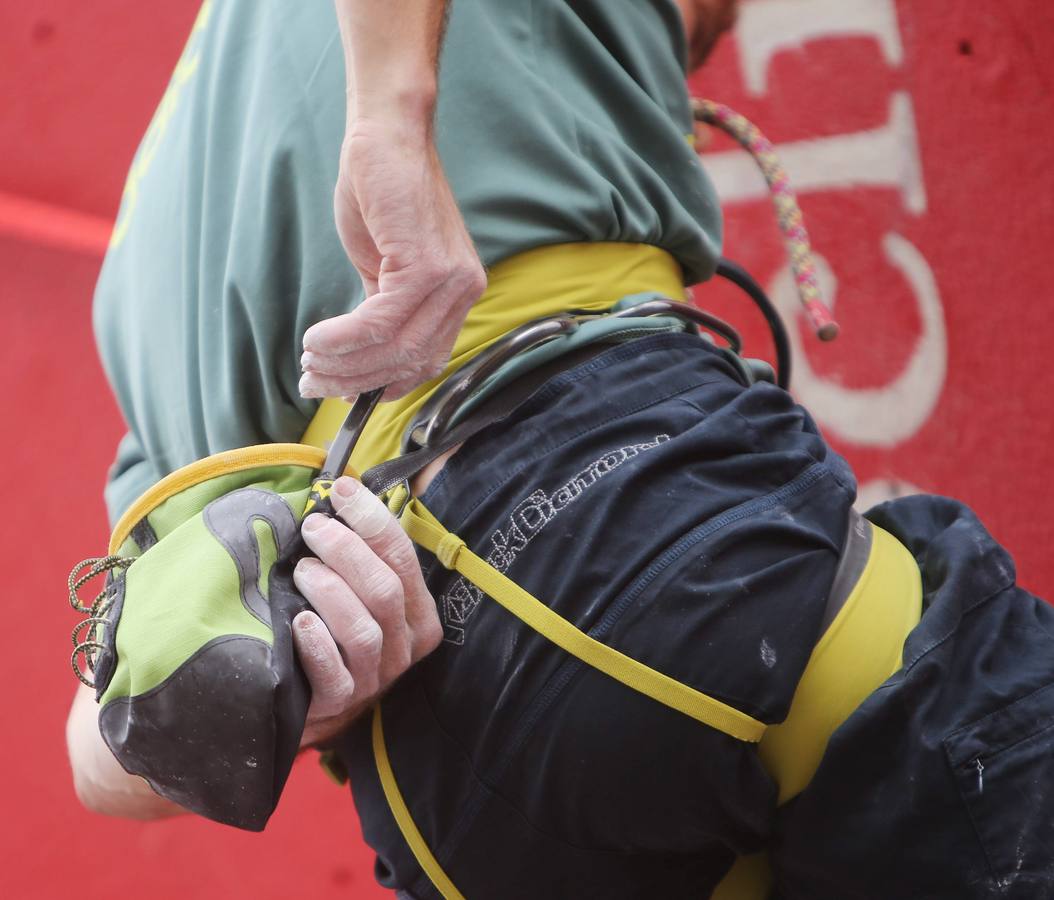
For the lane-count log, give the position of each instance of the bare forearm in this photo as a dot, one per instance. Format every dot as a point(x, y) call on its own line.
point(101, 784)
point(391, 52)
point(395, 212)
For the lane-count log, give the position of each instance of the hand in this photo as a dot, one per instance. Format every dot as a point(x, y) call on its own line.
point(402, 230)
point(374, 617)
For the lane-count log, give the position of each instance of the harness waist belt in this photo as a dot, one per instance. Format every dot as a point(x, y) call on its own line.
point(537, 283)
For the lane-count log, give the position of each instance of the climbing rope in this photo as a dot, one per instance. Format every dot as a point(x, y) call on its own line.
point(788, 212)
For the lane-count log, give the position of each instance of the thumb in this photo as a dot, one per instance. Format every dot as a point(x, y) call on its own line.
point(355, 235)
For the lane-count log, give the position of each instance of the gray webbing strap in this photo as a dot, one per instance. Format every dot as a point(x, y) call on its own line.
point(383, 477)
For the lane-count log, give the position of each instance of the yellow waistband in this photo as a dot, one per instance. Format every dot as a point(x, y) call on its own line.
point(541, 282)
point(860, 649)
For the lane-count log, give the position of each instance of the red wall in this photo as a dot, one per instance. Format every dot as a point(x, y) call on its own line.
point(80, 81)
point(959, 190)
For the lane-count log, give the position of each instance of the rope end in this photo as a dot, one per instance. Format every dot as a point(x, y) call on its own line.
point(828, 331)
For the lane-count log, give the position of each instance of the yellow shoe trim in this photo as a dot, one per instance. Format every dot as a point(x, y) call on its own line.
point(210, 467)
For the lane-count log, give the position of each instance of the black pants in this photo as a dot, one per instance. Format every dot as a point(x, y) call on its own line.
point(695, 524)
point(941, 785)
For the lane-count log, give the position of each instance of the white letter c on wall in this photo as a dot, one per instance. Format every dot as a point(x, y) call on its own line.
point(887, 415)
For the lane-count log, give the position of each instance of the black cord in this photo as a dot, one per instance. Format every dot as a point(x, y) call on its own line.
point(742, 279)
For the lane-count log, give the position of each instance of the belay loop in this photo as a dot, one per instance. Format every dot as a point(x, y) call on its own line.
point(88, 645)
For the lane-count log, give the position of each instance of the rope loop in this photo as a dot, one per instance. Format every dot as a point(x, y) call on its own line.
point(788, 212)
point(88, 646)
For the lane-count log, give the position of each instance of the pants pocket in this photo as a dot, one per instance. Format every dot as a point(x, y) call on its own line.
point(1004, 769)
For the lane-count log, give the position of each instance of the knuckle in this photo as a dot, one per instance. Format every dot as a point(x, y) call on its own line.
point(364, 639)
point(318, 583)
point(325, 685)
point(368, 681)
point(384, 589)
point(331, 545)
point(381, 325)
point(372, 687)
point(413, 349)
point(472, 280)
point(405, 354)
point(343, 691)
point(434, 370)
point(400, 661)
point(347, 557)
point(400, 553)
point(429, 636)
point(434, 270)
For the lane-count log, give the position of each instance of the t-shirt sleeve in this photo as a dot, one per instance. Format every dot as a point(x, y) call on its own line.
point(130, 475)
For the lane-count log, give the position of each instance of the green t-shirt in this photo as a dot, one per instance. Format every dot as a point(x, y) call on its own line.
point(557, 122)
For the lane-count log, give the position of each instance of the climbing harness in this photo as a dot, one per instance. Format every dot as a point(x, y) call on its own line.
point(874, 601)
point(161, 627)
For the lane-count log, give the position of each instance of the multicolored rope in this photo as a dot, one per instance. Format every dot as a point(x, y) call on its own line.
point(788, 212)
